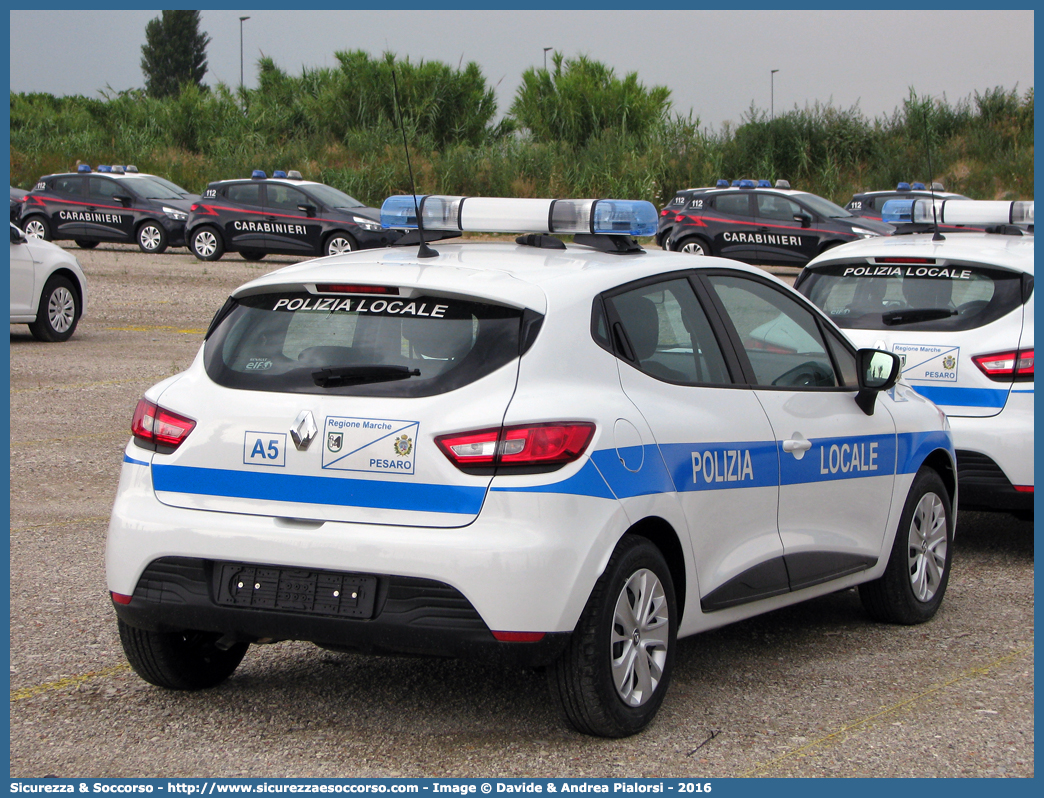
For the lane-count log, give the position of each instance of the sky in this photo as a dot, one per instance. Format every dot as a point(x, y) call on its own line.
point(716, 63)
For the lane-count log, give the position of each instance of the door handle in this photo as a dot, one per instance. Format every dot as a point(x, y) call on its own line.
point(797, 447)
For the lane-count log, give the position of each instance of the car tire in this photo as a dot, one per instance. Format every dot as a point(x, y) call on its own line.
point(38, 227)
point(914, 582)
point(693, 246)
point(602, 654)
point(253, 254)
point(206, 243)
point(152, 238)
point(187, 660)
point(83, 243)
point(338, 243)
point(58, 312)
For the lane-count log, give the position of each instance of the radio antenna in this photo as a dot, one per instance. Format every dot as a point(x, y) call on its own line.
point(423, 251)
point(931, 175)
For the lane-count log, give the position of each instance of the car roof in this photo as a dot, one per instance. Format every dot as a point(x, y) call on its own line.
point(506, 273)
point(284, 180)
point(991, 249)
point(750, 190)
point(916, 192)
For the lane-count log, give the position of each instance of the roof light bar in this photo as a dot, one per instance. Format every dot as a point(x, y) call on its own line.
point(84, 167)
point(132, 168)
point(278, 173)
point(782, 184)
point(903, 187)
point(258, 174)
point(917, 186)
point(506, 215)
point(978, 212)
point(104, 168)
point(118, 170)
point(293, 174)
point(747, 184)
point(722, 183)
point(764, 184)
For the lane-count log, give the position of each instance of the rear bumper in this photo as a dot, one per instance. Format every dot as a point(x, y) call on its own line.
point(403, 615)
point(995, 454)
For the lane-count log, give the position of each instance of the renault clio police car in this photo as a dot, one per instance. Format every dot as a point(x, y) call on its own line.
point(551, 454)
point(958, 310)
point(48, 288)
point(108, 205)
point(759, 223)
point(281, 214)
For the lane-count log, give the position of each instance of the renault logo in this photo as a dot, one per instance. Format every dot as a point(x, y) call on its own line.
point(303, 429)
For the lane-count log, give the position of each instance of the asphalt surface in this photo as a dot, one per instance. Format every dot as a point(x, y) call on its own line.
point(813, 690)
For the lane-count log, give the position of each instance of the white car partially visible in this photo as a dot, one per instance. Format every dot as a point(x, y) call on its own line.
point(48, 288)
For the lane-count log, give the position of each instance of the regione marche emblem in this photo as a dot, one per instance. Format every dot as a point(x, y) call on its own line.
point(334, 441)
point(403, 446)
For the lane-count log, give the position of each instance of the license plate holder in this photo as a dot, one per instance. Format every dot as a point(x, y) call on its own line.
point(297, 590)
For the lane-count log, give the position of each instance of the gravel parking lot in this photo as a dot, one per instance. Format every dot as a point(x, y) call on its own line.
point(813, 690)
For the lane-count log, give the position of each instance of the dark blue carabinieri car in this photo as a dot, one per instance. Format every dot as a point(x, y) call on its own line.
point(759, 223)
point(281, 214)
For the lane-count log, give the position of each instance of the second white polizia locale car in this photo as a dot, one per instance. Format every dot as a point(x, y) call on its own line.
point(550, 454)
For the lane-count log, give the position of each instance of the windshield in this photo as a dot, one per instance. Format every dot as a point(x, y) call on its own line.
point(181, 192)
point(931, 296)
point(299, 342)
point(823, 207)
point(333, 198)
point(150, 189)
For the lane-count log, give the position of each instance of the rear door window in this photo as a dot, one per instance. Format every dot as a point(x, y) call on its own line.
point(929, 296)
point(245, 193)
point(300, 342)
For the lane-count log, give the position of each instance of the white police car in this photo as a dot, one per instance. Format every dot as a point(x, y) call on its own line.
point(958, 310)
point(554, 455)
point(48, 288)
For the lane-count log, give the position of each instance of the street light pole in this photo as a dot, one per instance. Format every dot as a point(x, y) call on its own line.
point(241, 21)
point(772, 95)
point(545, 56)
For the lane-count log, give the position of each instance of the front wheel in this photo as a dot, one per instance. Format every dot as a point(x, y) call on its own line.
point(58, 312)
point(186, 660)
point(338, 244)
point(38, 227)
point(206, 243)
point(152, 238)
point(694, 246)
point(612, 677)
point(918, 570)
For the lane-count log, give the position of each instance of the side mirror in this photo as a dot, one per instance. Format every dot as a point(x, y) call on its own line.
point(804, 219)
point(123, 199)
point(878, 371)
point(17, 237)
point(307, 210)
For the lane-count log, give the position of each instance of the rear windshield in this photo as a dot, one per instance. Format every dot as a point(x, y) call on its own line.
point(930, 297)
point(299, 342)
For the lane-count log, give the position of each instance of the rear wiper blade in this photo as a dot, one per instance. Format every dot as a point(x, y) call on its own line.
point(894, 318)
point(356, 375)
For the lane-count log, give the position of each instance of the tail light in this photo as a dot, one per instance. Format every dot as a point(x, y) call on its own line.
point(1011, 366)
point(158, 428)
point(553, 444)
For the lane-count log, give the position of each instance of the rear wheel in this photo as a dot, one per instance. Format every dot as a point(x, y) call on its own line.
point(58, 312)
point(612, 677)
point(37, 227)
point(152, 238)
point(206, 243)
point(83, 243)
point(918, 570)
point(339, 243)
point(186, 660)
point(694, 246)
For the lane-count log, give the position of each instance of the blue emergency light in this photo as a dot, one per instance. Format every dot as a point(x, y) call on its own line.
point(104, 168)
point(722, 183)
point(764, 184)
point(746, 184)
point(918, 186)
point(83, 168)
point(903, 187)
point(258, 174)
point(506, 215)
point(278, 173)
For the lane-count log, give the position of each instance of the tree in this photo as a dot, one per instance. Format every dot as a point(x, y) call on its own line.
point(584, 99)
point(174, 53)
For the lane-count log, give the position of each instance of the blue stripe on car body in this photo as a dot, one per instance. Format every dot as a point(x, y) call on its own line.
point(963, 397)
